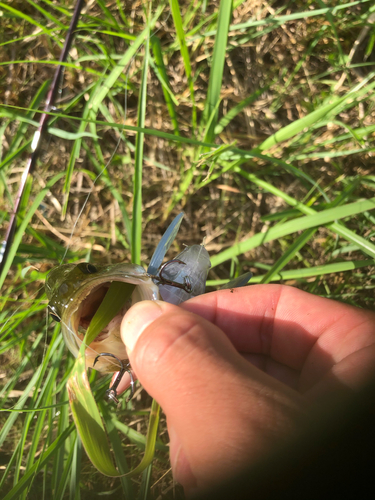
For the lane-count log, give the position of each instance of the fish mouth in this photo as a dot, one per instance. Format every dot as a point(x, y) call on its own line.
point(87, 310)
point(79, 301)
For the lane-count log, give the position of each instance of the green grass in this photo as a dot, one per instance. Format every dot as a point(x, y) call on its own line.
point(231, 112)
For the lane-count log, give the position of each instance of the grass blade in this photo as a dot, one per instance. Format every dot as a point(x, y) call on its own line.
point(299, 274)
point(29, 20)
point(289, 254)
point(74, 489)
point(90, 426)
point(45, 456)
point(176, 14)
point(365, 245)
point(18, 237)
point(309, 221)
point(138, 166)
point(87, 418)
point(114, 300)
point(232, 113)
point(161, 72)
point(299, 125)
point(217, 68)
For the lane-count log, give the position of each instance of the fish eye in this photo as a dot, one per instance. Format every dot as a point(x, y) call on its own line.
point(55, 317)
point(87, 268)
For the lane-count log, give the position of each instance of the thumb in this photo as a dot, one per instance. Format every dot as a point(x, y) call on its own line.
point(178, 358)
point(205, 387)
point(173, 352)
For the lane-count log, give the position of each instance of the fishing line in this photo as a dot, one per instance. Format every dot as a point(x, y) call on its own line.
point(122, 136)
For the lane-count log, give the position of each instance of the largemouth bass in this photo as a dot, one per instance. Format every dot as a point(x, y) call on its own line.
point(75, 293)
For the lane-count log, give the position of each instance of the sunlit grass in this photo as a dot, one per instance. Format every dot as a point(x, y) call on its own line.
point(257, 121)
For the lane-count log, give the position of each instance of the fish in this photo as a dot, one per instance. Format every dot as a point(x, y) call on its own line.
point(75, 292)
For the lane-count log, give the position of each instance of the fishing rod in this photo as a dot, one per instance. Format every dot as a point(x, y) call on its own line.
point(39, 135)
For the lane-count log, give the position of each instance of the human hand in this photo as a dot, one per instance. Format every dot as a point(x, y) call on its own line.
point(235, 372)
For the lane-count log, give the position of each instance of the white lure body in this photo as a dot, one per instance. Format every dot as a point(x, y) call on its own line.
point(193, 273)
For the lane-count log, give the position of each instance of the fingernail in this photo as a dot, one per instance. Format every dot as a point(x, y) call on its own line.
point(137, 319)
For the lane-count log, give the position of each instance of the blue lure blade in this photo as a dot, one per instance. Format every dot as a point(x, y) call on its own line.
point(238, 282)
point(164, 244)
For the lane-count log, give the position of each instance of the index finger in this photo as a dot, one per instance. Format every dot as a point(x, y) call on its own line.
point(294, 328)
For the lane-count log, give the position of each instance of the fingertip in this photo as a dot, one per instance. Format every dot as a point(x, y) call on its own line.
point(137, 319)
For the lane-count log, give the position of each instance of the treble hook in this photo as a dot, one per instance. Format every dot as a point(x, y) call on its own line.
point(186, 286)
point(111, 393)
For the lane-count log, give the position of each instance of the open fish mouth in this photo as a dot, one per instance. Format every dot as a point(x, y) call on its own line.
point(109, 339)
point(76, 293)
point(88, 308)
